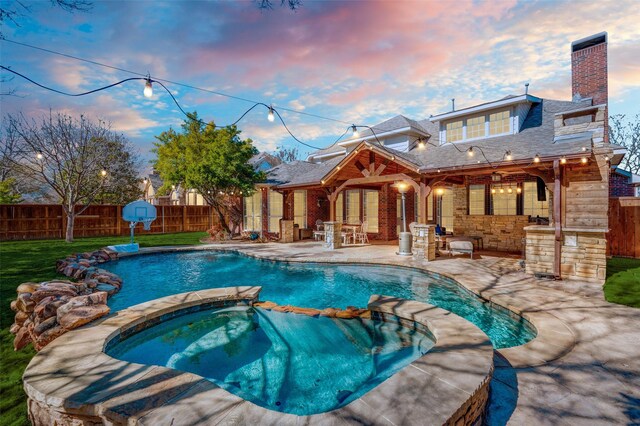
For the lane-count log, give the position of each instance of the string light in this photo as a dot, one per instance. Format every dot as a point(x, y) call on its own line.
point(421, 144)
point(519, 190)
point(584, 149)
point(470, 151)
point(536, 159)
point(606, 158)
point(39, 156)
point(509, 190)
point(148, 88)
point(355, 132)
point(502, 190)
point(440, 191)
point(584, 160)
point(271, 116)
point(508, 156)
point(103, 173)
point(493, 190)
point(563, 160)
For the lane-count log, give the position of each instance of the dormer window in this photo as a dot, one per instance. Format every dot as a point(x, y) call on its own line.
point(499, 123)
point(454, 131)
point(478, 127)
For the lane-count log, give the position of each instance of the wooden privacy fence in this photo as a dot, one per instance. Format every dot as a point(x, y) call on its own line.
point(624, 227)
point(47, 221)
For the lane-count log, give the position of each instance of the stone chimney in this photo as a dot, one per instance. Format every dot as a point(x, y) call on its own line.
point(589, 76)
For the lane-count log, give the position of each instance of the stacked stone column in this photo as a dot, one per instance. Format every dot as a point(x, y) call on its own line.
point(424, 241)
point(333, 235)
point(286, 231)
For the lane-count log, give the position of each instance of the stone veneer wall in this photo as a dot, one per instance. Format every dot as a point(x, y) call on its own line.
point(472, 411)
point(502, 233)
point(583, 253)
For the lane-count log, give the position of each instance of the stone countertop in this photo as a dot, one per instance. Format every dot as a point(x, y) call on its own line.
point(551, 228)
point(74, 379)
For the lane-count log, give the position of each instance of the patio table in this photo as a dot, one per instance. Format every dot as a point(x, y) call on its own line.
point(351, 229)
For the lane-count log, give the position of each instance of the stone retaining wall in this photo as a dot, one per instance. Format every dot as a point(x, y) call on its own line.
point(47, 310)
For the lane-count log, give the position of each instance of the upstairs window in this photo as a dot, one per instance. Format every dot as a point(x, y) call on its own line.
point(454, 131)
point(475, 127)
point(499, 123)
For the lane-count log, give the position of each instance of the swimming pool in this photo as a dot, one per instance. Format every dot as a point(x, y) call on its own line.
point(289, 363)
point(148, 277)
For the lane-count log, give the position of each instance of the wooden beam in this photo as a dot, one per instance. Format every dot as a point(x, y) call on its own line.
point(372, 162)
point(557, 219)
point(381, 167)
point(361, 168)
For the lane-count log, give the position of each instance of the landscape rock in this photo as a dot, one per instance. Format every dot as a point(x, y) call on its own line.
point(82, 315)
point(21, 317)
point(48, 336)
point(25, 303)
point(22, 339)
point(98, 298)
point(27, 287)
point(44, 326)
point(41, 294)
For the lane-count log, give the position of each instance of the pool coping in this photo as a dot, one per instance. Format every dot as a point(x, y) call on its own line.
point(73, 379)
point(554, 338)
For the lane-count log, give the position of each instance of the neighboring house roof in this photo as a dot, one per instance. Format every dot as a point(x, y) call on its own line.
point(264, 161)
point(156, 180)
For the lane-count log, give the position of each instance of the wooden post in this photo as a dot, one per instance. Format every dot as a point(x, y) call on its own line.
point(557, 220)
point(118, 218)
point(184, 218)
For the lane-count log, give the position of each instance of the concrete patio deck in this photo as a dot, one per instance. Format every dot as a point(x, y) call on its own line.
point(596, 383)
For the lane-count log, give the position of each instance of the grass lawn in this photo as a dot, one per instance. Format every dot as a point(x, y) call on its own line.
point(623, 281)
point(23, 261)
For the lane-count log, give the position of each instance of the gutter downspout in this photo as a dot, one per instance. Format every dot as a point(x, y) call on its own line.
point(557, 220)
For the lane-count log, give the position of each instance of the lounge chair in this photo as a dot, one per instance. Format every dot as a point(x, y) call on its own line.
point(461, 246)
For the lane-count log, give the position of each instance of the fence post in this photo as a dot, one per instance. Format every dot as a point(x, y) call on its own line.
point(118, 216)
point(63, 218)
point(184, 218)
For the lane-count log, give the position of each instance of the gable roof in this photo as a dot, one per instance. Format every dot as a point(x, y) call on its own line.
point(264, 156)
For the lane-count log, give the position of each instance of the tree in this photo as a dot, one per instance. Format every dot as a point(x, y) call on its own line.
point(213, 161)
point(77, 159)
point(286, 155)
point(268, 4)
point(626, 132)
point(8, 192)
point(12, 11)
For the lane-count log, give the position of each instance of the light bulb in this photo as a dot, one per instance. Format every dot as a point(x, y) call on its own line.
point(493, 190)
point(322, 182)
point(584, 160)
point(355, 131)
point(518, 190)
point(509, 190)
point(271, 116)
point(470, 152)
point(606, 158)
point(508, 156)
point(440, 191)
point(148, 89)
point(39, 156)
point(103, 172)
point(563, 160)
point(421, 144)
point(536, 159)
point(501, 190)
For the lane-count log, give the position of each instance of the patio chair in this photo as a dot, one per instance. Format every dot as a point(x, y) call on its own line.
point(319, 234)
point(361, 235)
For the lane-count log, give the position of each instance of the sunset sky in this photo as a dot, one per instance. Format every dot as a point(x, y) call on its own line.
point(352, 61)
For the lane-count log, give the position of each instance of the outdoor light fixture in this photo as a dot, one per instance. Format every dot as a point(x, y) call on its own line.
point(493, 190)
point(536, 159)
point(148, 89)
point(421, 144)
point(470, 151)
point(405, 238)
point(584, 149)
point(271, 116)
point(39, 156)
point(606, 158)
point(508, 156)
point(355, 131)
point(519, 190)
point(584, 160)
point(440, 191)
point(563, 160)
point(322, 182)
point(502, 190)
point(509, 190)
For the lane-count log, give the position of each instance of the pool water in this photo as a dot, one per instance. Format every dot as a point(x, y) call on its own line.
point(148, 277)
point(285, 362)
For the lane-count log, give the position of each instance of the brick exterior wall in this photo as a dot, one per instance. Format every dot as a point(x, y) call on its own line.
point(387, 214)
point(317, 207)
point(619, 186)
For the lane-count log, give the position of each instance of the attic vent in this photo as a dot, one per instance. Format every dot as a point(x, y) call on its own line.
point(588, 42)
